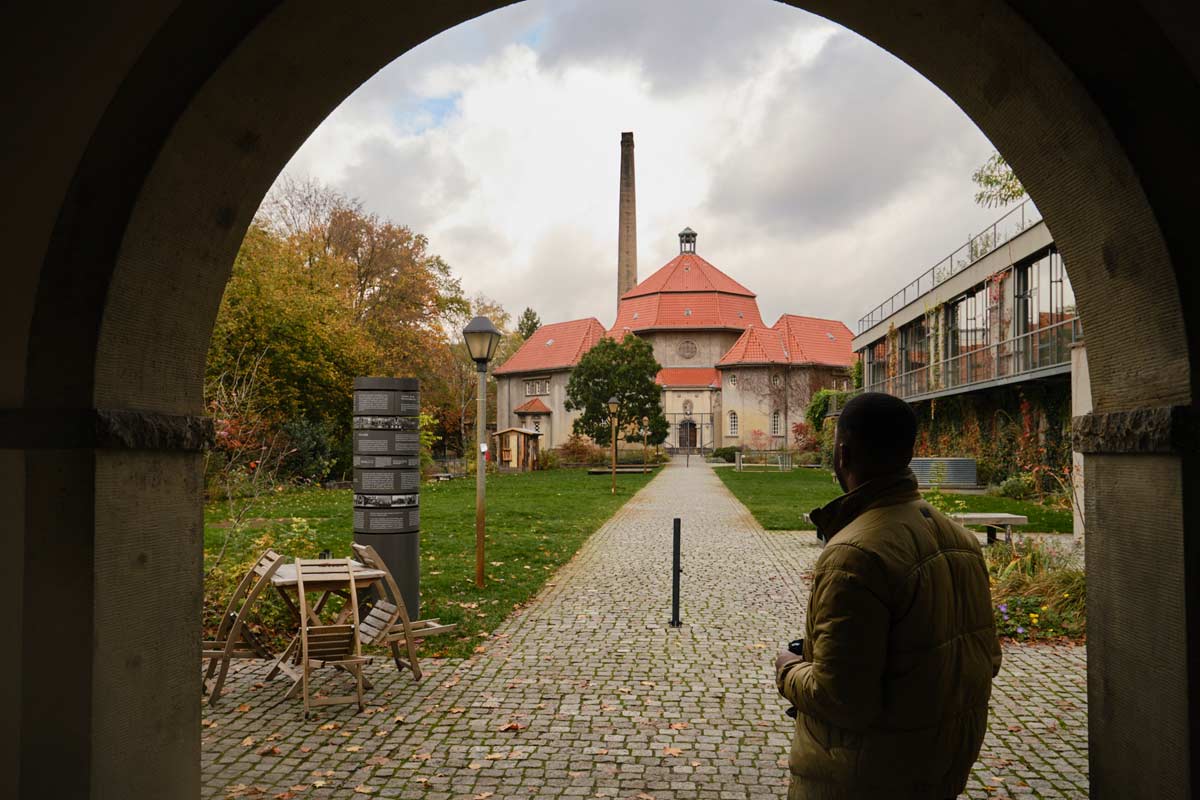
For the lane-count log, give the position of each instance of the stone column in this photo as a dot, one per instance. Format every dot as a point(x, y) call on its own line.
point(1142, 489)
point(103, 579)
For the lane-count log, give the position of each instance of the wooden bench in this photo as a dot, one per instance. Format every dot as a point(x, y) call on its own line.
point(993, 523)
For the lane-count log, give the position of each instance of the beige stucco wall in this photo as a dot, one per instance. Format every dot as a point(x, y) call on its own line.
point(751, 393)
point(510, 393)
point(710, 346)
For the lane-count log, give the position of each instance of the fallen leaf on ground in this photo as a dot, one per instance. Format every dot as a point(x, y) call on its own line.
point(475, 765)
point(243, 708)
point(511, 726)
point(457, 710)
point(364, 789)
point(270, 751)
point(329, 726)
point(421, 756)
point(483, 795)
point(378, 761)
point(248, 741)
point(352, 748)
point(678, 726)
point(672, 751)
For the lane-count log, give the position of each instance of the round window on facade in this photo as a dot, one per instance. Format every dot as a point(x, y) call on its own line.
point(687, 349)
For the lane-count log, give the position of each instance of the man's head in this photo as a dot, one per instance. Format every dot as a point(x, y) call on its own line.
point(874, 437)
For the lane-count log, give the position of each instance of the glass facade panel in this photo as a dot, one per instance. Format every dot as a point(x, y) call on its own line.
point(1017, 321)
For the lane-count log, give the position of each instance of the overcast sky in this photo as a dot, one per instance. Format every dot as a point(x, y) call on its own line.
point(819, 171)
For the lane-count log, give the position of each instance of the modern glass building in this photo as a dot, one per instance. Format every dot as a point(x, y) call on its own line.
point(998, 310)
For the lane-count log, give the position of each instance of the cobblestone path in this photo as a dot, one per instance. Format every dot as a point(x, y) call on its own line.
point(589, 693)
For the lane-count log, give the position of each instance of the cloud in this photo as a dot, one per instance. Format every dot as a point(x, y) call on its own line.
point(820, 171)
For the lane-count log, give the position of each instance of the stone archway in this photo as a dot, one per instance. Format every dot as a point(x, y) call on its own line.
point(148, 135)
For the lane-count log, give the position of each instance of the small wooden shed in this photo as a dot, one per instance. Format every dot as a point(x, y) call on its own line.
point(516, 448)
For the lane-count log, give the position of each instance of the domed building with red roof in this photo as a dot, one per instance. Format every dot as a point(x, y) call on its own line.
point(727, 379)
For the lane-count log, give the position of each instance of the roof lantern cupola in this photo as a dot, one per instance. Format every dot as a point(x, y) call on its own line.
point(687, 241)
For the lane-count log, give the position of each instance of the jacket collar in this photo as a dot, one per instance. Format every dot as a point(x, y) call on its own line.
point(888, 490)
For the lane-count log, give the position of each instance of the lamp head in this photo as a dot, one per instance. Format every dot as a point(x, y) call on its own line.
point(613, 405)
point(482, 338)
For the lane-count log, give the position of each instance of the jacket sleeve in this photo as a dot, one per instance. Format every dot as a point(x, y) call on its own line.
point(843, 682)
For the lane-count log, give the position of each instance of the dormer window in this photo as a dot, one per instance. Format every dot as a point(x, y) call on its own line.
point(549, 342)
point(687, 312)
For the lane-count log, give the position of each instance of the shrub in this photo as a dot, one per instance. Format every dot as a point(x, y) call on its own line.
point(804, 437)
point(310, 453)
point(580, 450)
point(1038, 592)
point(1018, 487)
point(548, 459)
point(809, 457)
point(726, 454)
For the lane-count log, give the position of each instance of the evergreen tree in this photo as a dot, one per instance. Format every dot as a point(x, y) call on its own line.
point(528, 323)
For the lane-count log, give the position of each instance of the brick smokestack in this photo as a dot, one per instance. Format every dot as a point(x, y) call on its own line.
point(627, 272)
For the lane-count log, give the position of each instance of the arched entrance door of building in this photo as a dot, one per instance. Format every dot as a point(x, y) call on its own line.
point(687, 434)
point(147, 135)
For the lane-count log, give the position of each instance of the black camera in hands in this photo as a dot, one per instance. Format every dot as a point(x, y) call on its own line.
point(796, 648)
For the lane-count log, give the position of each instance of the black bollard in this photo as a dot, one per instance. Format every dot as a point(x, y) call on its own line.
point(676, 568)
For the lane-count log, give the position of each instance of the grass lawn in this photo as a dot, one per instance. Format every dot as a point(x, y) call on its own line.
point(779, 500)
point(536, 522)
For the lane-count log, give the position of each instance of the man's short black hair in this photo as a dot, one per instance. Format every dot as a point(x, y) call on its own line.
point(883, 426)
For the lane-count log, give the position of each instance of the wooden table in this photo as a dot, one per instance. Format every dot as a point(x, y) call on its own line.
point(993, 523)
point(284, 581)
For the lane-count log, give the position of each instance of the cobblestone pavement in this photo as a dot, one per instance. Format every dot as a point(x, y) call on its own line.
point(588, 692)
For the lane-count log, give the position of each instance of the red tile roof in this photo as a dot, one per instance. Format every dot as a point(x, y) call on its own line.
point(816, 341)
point(688, 272)
point(686, 310)
point(793, 340)
point(559, 345)
point(689, 376)
point(757, 346)
point(534, 406)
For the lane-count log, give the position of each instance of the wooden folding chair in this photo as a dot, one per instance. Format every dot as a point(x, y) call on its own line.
point(234, 639)
point(387, 622)
point(328, 644)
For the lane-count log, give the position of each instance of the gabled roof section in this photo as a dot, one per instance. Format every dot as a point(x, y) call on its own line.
point(812, 340)
point(793, 340)
point(534, 406)
point(688, 272)
point(690, 377)
point(757, 346)
point(559, 345)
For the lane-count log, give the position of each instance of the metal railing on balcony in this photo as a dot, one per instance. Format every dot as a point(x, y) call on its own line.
point(987, 240)
point(1038, 350)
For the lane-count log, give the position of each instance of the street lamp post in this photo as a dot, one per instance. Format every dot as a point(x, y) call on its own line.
point(613, 406)
point(645, 434)
point(481, 338)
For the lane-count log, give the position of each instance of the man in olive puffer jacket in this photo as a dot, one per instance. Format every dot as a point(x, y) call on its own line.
point(900, 643)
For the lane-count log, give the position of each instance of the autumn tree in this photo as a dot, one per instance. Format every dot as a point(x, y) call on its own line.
point(625, 370)
point(998, 184)
point(528, 322)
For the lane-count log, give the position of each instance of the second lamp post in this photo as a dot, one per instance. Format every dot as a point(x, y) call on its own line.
point(482, 338)
point(614, 405)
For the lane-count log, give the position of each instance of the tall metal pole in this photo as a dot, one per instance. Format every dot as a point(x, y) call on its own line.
point(480, 469)
point(676, 568)
point(614, 453)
